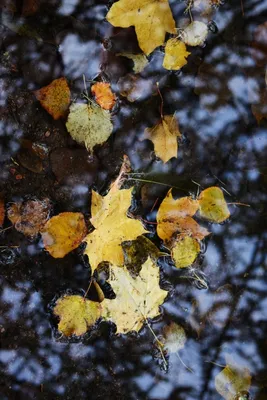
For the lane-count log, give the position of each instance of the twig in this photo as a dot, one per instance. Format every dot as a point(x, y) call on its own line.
point(239, 204)
point(161, 106)
point(157, 183)
point(90, 283)
point(189, 369)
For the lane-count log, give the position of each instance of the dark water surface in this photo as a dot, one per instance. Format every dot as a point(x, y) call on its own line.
point(222, 144)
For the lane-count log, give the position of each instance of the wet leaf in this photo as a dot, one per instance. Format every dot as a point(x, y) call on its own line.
point(212, 205)
point(175, 216)
point(231, 381)
point(2, 211)
point(29, 217)
point(55, 98)
point(185, 251)
point(136, 298)
point(76, 314)
point(164, 136)
point(140, 61)
point(89, 125)
point(135, 88)
point(30, 7)
point(152, 20)
point(174, 337)
point(195, 33)
point(175, 54)
point(63, 233)
point(103, 95)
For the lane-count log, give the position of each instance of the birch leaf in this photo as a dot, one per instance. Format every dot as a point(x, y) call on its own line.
point(231, 381)
point(89, 125)
point(152, 19)
point(164, 136)
point(103, 95)
point(174, 337)
point(175, 54)
point(140, 61)
point(136, 298)
point(195, 33)
point(185, 251)
point(212, 205)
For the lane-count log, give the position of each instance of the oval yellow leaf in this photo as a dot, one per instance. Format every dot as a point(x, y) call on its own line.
point(174, 337)
point(175, 54)
point(185, 252)
point(212, 205)
point(76, 314)
point(63, 233)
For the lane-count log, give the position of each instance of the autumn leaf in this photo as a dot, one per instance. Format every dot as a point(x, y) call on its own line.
point(140, 61)
point(175, 54)
point(164, 136)
point(174, 337)
point(212, 205)
point(185, 251)
point(63, 233)
point(89, 124)
point(231, 381)
point(195, 33)
point(175, 216)
point(152, 20)
point(55, 98)
point(2, 211)
point(29, 217)
point(137, 299)
point(76, 314)
point(103, 95)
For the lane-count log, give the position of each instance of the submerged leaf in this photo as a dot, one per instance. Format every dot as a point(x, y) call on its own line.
point(164, 136)
point(103, 95)
point(195, 33)
point(63, 233)
point(175, 54)
point(136, 298)
point(212, 205)
point(152, 20)
point(89, 124)
point(140, 61)
point(174, 337)
point(231, 381)
point(76, 314)
point(2, 211)
point(185, 251)
point(55, 98)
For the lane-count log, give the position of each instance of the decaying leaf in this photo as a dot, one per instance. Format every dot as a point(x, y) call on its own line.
point(174, 337)
point(89, 124)
point(175, 216)
point(175, 54)
point(212, 205)
point(185, 251)
point(136, 88)
point(231, 381)
point(29, 217)
point(164, 136)
point(195, 33)
point(2, 211)
point(152, 20)
point(140, 61)
point(63, 233)
point(76, 314)
point(136, 298)
point(55, 98)
point(103, 95)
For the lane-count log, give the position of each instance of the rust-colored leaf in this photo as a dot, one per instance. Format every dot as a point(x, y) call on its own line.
point(103, 95)
point(2, 211)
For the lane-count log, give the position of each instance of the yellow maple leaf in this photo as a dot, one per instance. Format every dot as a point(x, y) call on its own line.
point(175, 54)
point(76, 314)
point(164, 136)
point(212, 205)
point(136, 299)
point(152, 20)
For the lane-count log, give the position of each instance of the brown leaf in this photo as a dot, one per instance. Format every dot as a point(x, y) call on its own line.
point(103, 95)
point(2, 211)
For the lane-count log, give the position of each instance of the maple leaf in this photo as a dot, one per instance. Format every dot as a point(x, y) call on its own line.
point(164, 136)
point(55, 98)
point(175, 54)
point(152, 20)
point(89, 124)
point(212, 205)
point(76, 314)
point(103, 95)
point(136, 299)
point(63, 233)
point(231, 381)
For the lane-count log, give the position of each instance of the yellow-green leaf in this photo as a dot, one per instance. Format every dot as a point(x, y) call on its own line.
point(140, 61)
point(231, 381)
point(212, 205)
point(175, 54)
point(185, 251)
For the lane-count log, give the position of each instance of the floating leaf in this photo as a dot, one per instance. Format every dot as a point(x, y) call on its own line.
point(231, 381)
point(63, 233)
point(174, 337)
point(195, 33)
point(2, 211)
point(136, 298)
point(76, 314)
point(152, 20)
point(175, 54)
point(103, 95)
point(212, 205)
point(89, 124)
point(185, 251)
point(29, 217)
point(164, 136)
point(55, 98)
point(140, 61)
